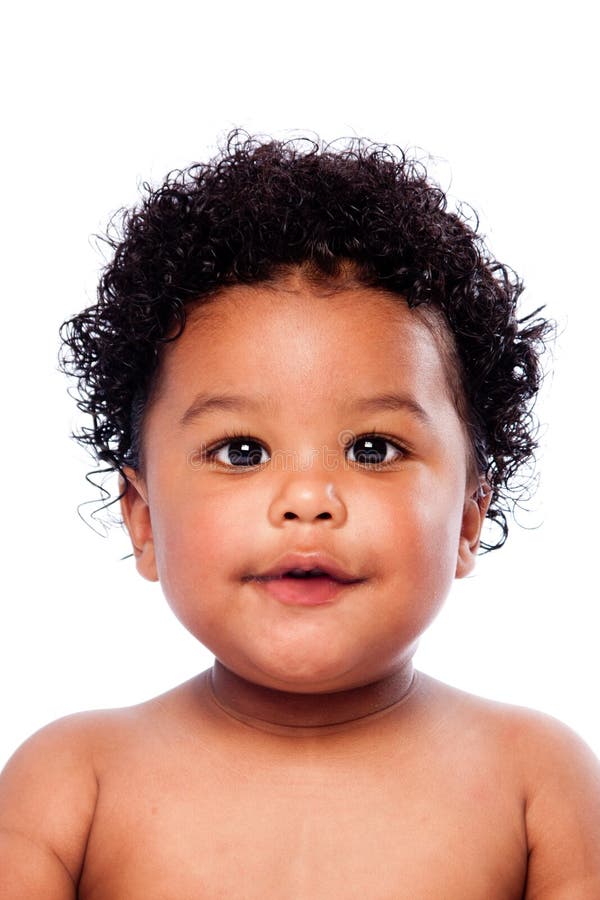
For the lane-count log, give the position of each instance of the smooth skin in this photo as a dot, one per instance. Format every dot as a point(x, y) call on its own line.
point(311, 762)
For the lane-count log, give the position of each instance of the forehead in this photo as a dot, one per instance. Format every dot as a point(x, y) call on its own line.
point(290, 339)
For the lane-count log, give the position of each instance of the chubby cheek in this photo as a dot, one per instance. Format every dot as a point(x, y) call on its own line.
point(199, 542)
point(418, 543)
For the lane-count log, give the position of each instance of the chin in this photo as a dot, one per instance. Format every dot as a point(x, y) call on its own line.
point(304, 674)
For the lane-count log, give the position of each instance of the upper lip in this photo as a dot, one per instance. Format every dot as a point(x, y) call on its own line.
point(306, 562)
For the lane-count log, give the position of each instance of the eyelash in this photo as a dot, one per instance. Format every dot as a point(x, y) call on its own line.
point(210, 452)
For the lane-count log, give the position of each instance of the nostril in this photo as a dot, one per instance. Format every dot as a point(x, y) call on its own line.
point(322, 515)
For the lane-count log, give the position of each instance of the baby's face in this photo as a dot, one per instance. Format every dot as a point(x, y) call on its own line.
point(384, 491)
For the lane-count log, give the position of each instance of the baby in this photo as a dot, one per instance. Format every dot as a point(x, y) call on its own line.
point(313, 383)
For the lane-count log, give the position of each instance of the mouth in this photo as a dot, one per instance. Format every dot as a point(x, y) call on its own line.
point(313, 590)
point(305, 575)
point(306, 566)
point(304, 585)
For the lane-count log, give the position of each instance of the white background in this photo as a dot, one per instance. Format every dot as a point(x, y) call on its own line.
point(100, 97)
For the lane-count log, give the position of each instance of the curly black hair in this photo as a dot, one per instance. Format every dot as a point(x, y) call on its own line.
point(262, 206)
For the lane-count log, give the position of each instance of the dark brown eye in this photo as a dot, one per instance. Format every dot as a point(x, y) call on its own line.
point(372, 449)
point(240, 453)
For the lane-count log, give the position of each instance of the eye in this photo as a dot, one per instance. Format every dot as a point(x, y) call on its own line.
point(374, 449)
point(239, 452)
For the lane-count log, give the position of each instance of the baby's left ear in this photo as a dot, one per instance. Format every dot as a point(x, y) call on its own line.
point(474, 513)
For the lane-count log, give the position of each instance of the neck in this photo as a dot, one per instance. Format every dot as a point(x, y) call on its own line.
point(256, 704)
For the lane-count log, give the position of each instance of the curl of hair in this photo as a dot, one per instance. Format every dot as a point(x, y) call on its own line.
point(262, 206)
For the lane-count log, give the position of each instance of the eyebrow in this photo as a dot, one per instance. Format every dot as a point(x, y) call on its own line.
point(207, 403)
point(393, 402)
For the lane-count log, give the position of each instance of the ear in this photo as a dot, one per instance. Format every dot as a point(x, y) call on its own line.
point(136, 515)
point(474, 513)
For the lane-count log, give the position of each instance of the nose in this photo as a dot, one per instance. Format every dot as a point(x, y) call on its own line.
point(308, 501)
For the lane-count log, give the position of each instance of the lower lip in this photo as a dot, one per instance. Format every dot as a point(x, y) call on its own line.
point(304, 591)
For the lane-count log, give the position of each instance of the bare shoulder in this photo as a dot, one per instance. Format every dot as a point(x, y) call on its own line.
point(562, 811)
point(558, 776)
point(528, 732)
point(49, 792)
point(47, 799)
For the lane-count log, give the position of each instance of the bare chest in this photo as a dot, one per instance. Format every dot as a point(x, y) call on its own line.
point(290, 829)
